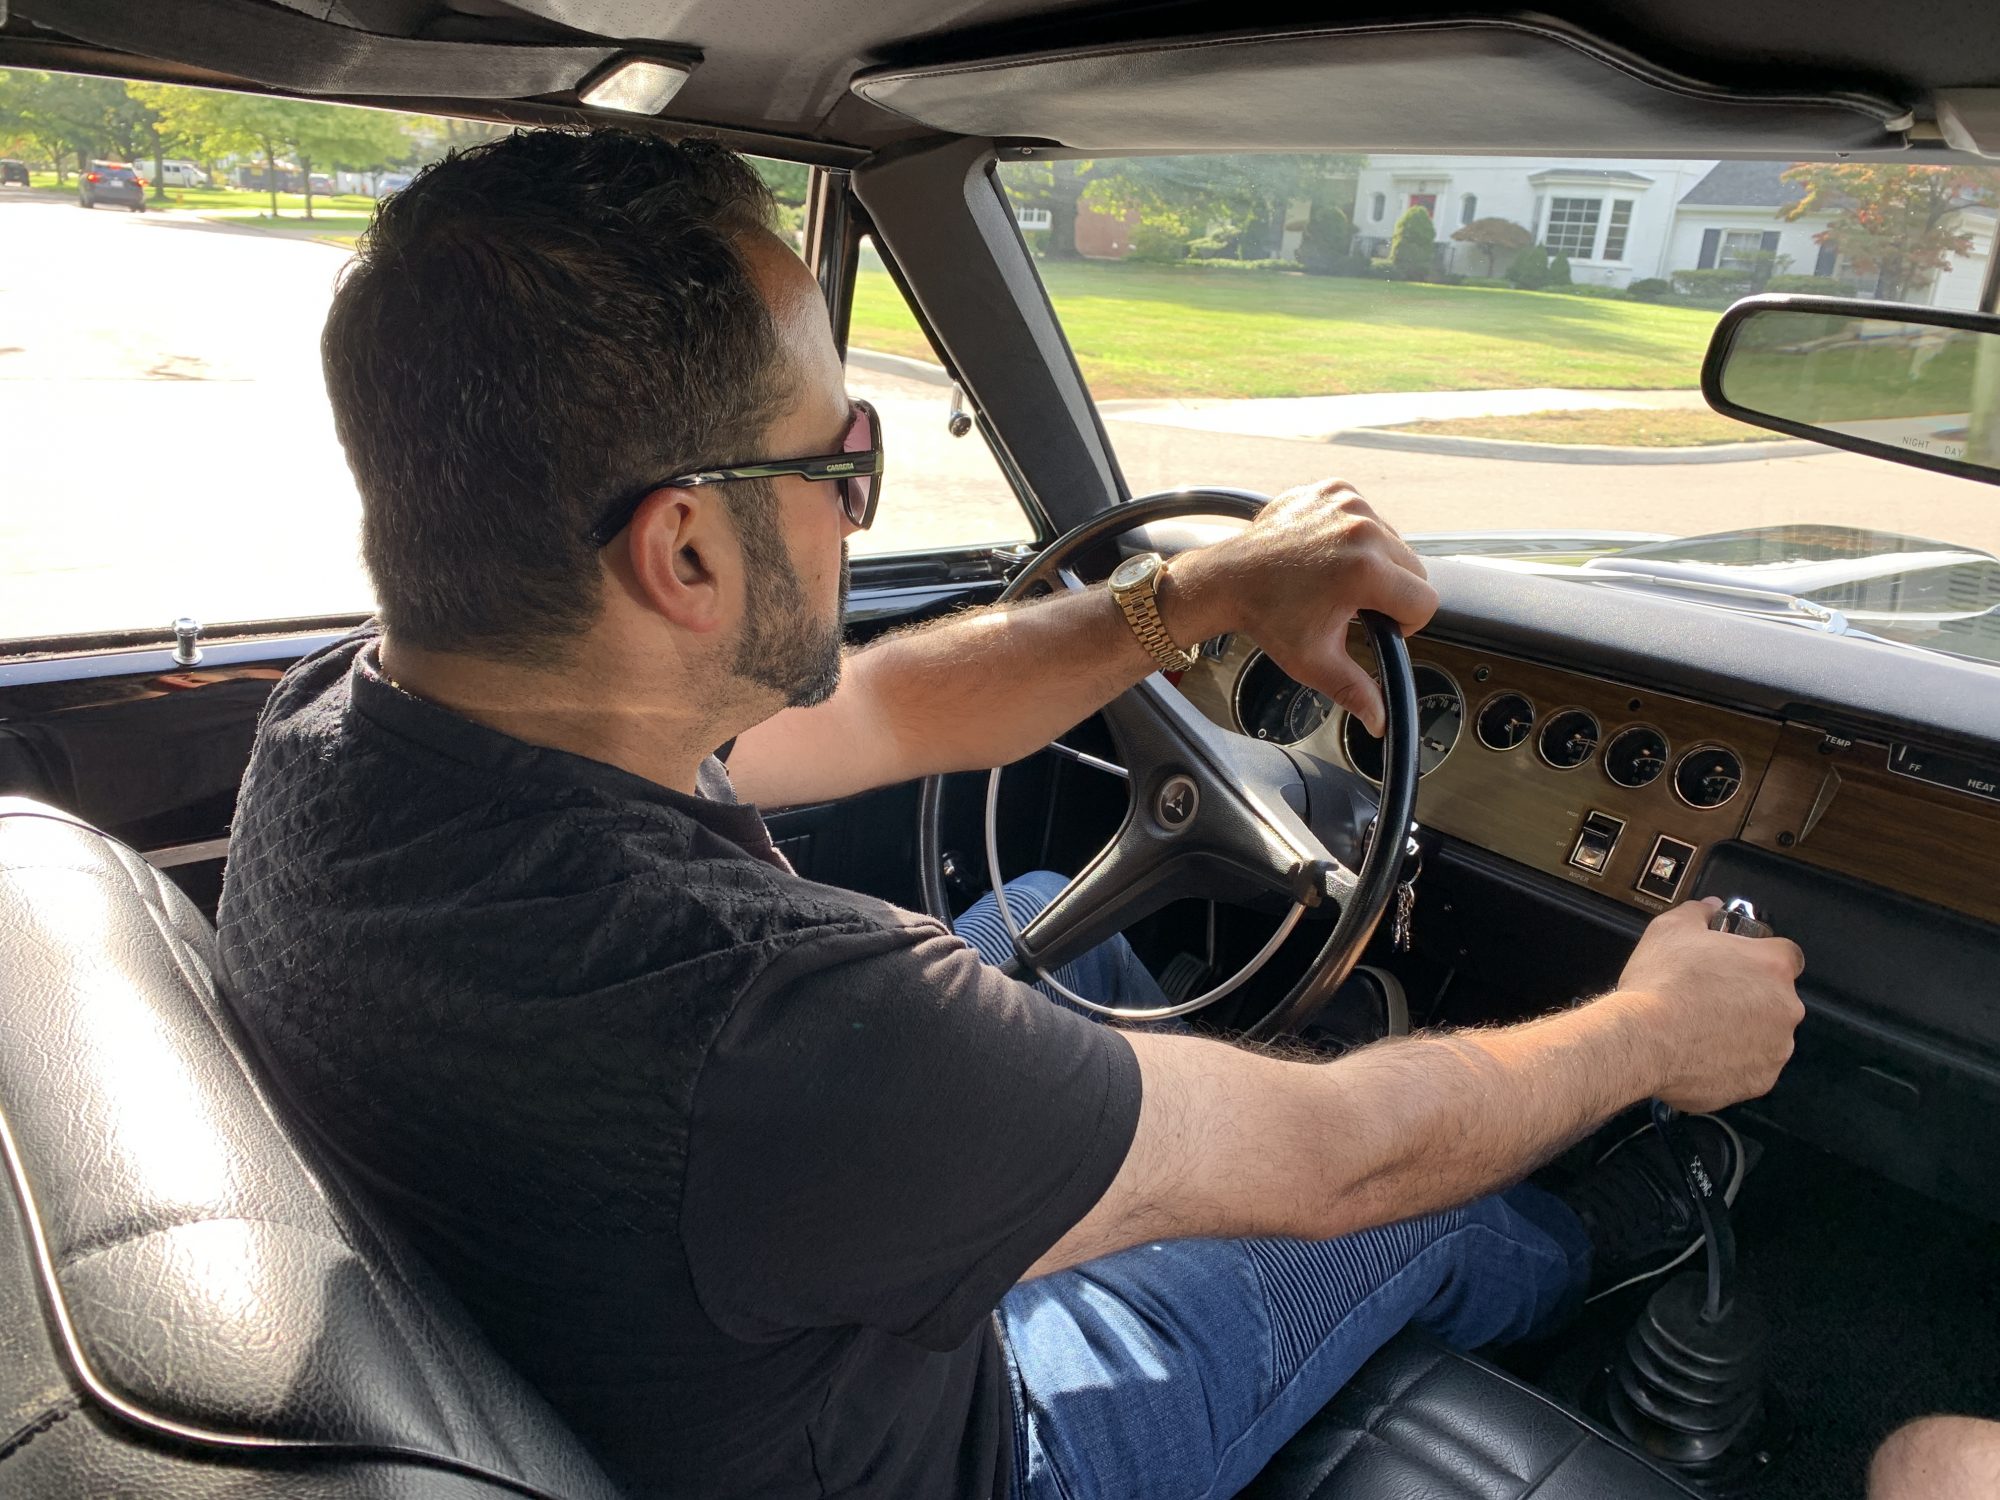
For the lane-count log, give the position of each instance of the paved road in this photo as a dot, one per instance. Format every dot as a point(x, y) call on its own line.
point(165, 445)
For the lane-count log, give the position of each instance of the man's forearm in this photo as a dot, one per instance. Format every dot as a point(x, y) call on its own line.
point(990, 686)
point(1239, 1145)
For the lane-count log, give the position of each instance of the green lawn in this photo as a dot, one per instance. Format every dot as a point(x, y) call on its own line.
point(1179, 331)
point(1628, 427)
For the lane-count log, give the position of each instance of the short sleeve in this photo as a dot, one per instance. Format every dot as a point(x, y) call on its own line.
point(888, 1133)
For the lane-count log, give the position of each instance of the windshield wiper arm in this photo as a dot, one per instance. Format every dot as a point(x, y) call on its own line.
point(1769, 603)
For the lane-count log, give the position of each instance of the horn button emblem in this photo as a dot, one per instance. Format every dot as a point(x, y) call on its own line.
point(1175, 802)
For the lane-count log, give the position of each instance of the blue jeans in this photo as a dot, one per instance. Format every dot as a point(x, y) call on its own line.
point(1173, 1371)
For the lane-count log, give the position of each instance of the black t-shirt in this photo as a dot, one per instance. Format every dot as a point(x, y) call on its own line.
point(733, 1166)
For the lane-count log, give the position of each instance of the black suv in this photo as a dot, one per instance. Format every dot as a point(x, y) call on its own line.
point(13, 171)
point(112, 182)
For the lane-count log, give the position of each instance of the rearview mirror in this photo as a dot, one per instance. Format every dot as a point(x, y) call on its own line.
point(1918, 385)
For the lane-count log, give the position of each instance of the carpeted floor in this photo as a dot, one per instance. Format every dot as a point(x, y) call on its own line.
point(1885, 1306)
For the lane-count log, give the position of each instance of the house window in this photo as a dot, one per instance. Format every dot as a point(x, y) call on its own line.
point(1377, 205)
point(1740, 249)
point(1621, 223)
point(1573, 226)
point(1468, 208)
point(1034, 218)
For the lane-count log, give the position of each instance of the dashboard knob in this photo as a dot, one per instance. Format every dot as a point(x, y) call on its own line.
point(1740, 917)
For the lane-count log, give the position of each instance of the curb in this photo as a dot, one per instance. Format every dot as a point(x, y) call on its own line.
point(900, 365)
point(1571, 453)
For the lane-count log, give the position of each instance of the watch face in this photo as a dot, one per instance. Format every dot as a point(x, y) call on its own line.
point(1133, 570)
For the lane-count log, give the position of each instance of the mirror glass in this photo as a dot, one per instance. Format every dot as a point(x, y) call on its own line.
point(1915, 391)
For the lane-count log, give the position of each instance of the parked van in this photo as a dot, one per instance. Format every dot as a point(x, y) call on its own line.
point(182, 174)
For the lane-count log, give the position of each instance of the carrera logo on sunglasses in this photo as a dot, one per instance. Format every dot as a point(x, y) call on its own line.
point(839, 468)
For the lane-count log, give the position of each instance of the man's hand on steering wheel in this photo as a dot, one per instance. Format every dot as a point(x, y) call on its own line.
point(1294, 578)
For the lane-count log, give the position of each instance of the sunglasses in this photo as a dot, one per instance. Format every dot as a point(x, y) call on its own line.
point(856, 471)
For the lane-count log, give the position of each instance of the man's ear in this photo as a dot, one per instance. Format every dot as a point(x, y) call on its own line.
point(680, 548)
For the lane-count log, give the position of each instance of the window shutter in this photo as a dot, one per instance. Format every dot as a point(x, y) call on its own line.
point(1710, 238)
point(1829, 257)
point(1768, 244)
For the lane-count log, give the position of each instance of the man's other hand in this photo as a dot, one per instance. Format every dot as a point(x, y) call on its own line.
point(1718, 1009)
point(1294, 579)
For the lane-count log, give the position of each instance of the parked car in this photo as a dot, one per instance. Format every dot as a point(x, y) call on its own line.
point(12, 171)
point(112, 182)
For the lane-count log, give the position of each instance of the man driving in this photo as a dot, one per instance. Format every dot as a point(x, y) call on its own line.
point(774, 1189)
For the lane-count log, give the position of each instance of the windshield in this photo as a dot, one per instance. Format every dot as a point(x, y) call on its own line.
point(1504, 352)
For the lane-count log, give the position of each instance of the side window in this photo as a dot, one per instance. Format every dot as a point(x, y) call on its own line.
point(938, 490)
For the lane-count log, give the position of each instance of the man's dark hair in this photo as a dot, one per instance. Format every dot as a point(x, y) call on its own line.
point(531, 329)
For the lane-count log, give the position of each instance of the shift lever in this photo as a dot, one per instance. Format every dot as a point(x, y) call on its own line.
point(1688, 1386)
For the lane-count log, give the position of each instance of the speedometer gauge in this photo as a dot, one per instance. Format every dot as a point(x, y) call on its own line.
point(1440, 715)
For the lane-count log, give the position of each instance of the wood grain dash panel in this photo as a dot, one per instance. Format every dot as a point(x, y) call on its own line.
point(1837, 805)
point(1515, 804)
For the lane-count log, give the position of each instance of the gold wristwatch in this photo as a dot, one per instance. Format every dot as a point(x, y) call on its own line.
point(1135, 584)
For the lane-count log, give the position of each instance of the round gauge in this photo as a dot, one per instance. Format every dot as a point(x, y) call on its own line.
point(1505, 721)
point(1273, 705)
point(1708, 776)
point(1440, 713)
point(1568, 739)
point(1636, 756)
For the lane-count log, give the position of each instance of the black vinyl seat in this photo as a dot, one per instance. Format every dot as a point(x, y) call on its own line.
point(193, 1305)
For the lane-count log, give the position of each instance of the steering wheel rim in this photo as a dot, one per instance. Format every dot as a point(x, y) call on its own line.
point(1366, 892)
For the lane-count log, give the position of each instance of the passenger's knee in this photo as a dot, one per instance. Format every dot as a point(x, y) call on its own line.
point(1938, 1458)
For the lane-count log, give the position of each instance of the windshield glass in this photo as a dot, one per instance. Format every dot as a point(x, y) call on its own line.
point(1504, 353)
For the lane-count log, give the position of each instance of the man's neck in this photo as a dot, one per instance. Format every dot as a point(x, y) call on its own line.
point(639, 726)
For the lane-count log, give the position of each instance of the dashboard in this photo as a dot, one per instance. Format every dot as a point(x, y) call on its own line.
point(1624, 790)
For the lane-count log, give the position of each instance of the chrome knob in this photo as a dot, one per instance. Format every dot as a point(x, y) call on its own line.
point(1740, 917)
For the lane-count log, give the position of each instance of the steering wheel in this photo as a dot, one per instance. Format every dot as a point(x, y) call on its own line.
point(1213, 814)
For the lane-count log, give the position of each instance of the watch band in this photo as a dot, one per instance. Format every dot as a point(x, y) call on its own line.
point(1142, 613)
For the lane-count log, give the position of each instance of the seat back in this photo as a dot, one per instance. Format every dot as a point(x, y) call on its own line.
point(187, 1289)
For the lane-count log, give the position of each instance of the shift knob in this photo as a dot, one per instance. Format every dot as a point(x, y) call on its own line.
point(1740, 917)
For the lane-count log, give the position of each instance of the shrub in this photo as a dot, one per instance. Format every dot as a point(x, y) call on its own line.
point(1413, 247)
point(1038, 241)
point(1323, 250)
point(1220, 263)
point(1381, 268)
point(1559, 272)
point(1156, 245)
point(1650, 289)
point(1530, 268)
point(1818, 286)
point(1723, 283)
point(1213, 246)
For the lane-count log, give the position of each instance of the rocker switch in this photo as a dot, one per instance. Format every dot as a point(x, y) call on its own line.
point(1595, 841)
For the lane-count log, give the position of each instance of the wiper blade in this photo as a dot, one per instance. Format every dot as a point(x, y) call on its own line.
point(1765, 603)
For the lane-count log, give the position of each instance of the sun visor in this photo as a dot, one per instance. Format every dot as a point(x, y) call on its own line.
point(285, 50)
point(1430, 86)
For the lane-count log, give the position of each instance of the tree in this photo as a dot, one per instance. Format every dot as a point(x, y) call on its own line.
point(1329, 237)
point(336, 136)
point(1559, 272)
point(1894, 220)
point(1493, 236)
point(68, 115)
point(1413, 246)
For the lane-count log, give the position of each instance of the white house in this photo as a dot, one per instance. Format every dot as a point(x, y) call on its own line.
point(1621, 220)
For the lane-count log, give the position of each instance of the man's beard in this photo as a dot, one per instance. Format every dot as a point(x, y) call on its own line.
point(784, 646)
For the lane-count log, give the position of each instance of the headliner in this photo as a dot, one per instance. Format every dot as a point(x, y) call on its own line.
point(787, 67)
